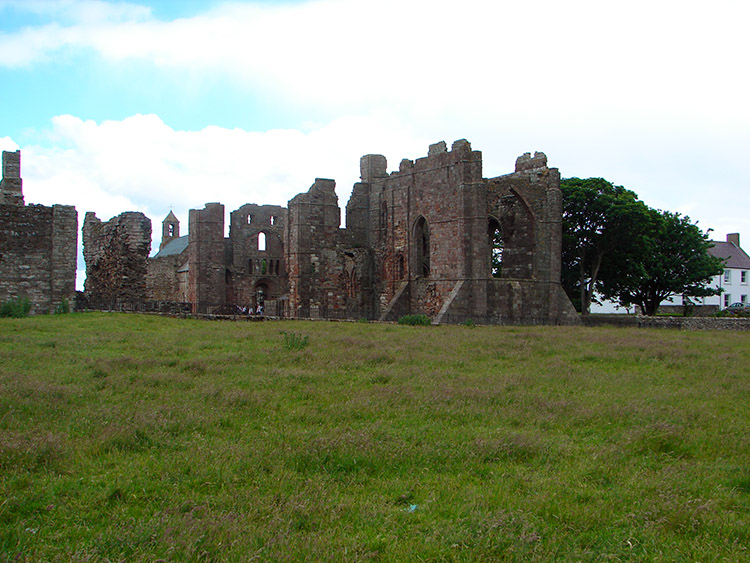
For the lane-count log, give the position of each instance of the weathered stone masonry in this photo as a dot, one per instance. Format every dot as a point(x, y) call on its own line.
point(418, 240)
point(116, 255)
point(38, 245)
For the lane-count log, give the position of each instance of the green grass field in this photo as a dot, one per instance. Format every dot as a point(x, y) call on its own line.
point(140, 438)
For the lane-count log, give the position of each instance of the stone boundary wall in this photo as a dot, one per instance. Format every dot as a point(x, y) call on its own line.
point(694, 310)
point(681, 323)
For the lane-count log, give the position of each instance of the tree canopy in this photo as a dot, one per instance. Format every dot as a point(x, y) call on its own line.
point(672, 259)
point(598, 218)
point(616, 247)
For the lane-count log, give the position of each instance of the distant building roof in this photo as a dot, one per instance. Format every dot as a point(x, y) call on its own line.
point(735, 257)
point(173, 247)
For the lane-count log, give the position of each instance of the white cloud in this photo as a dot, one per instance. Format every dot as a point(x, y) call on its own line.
point(423, 55)
point(78, 11)
point(141, 164)
point(651, 95)
point(7, 144)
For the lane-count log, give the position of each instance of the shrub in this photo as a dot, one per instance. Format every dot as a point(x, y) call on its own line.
point(415, 320)
point(294, 341)
point(62, 307)
point(16, 308)
point(737, 313)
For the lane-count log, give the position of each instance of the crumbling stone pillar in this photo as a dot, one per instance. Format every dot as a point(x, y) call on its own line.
point(11, 186)
point(116, 255)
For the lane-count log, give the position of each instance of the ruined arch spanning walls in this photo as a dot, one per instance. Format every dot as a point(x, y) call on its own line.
point(374, 268)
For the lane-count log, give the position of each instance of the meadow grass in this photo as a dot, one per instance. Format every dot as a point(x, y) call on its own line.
point(140, 438)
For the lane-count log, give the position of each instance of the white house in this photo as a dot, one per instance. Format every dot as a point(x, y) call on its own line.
point(735, 281)
point(736, 278)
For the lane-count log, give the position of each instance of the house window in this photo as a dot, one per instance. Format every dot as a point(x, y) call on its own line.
point(727, 299)
point(727, 276)
point(743, 277)
point(743, 298)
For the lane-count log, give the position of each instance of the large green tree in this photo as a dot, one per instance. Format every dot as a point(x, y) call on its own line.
point(599, 218)
point(672, 259)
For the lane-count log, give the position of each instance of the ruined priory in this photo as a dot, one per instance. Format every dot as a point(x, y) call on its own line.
point(434, 237)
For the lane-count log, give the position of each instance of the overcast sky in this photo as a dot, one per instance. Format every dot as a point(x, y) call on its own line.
point(156, 105)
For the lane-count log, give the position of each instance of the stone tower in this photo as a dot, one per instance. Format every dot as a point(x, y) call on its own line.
point(207, 270)
point(11, 187)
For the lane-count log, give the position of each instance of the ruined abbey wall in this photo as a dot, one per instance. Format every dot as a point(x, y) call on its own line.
point(38, 245)
point(434, 237)
point(116, 255)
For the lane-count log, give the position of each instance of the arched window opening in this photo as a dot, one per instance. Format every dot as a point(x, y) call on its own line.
point(250, 266)
point(422, 242)
point(496, 245)
point(261, 242)
point(273, 219)
point(384, 216)
point(170, 230)
point(400, 266)
point(263, 266)
point(249, 219)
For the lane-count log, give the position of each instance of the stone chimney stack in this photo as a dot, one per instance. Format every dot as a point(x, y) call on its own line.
point(11, 186)
point(734, 238)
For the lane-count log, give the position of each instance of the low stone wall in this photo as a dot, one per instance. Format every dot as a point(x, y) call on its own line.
point(693, 310)
point(683, 323)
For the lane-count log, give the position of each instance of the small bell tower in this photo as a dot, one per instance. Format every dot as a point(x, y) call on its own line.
point(170, 230)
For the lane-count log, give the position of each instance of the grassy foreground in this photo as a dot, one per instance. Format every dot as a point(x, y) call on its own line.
point(139, 438)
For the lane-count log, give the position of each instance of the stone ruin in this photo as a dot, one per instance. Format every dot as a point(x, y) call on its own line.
point(116, 255)
point(38, 245)
point(434, 237)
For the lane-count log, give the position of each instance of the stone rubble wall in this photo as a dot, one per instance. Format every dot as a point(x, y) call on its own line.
point(38, 246)
point(682, 323)
point(116, 255)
